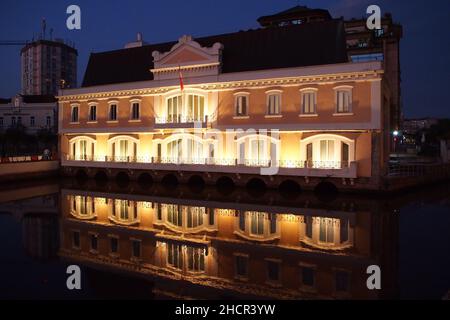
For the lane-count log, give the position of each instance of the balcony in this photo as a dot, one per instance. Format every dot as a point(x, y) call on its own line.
point(182, 121)
point(224, 165)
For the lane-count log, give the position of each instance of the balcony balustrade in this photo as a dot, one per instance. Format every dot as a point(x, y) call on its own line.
point(259, 163)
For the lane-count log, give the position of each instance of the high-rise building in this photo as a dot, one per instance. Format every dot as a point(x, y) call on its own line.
point(47, 66)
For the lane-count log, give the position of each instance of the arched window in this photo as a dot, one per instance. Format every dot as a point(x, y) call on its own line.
point(308, 97)
point(174, 109)
point(343, 99)
point(257, 225)
point(186, 219)
point(82, 148)
point(195, 108)
point(123, 149)
point(257, 150)
point(241, 104)
point(82, 207)
point(123, 212)
point(185, 148)
point(186, 107)
point(185, 258)
point(273, 102)
point(327, 232)
point(327, 151)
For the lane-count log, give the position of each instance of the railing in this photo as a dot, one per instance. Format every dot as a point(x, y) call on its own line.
point(26, 158)
point(215, 161)
point(180, 119)
point(419, 170)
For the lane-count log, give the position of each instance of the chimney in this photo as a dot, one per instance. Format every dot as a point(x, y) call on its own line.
point(138, 43)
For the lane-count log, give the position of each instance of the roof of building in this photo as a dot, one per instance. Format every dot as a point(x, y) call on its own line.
point(293, 13)
point(31, 99)
point(309, 44)
point(5, 101)
point(38, 98)
point(49, 43)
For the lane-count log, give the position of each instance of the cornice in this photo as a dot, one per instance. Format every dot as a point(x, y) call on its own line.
point(369, 75)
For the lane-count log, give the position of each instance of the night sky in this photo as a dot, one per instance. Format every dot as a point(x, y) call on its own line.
point(108, 25)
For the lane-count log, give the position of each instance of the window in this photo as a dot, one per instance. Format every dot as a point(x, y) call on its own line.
point(83, 206)
point(326, 150)
point(174, 255)
point(112, 115)
point(344, 230)
point(273, 104)
point(196, 106)
point(174, 109)
point(32, 121)
point(307, 276)
point(19, 120)
point(175, 215)
point(309, 100)
point(257, 223)
point(48, 121)
point(242, 220)
point(241, 266)
point(309, 222)
point(195, 216)
point(114, 245)
point(342, 281)
point(135, 111)
point(326, 233)
point(93, 113)
point(13, 121)
point(1, 121)
point(196, 259)
point(74, 114)
point(136, 248)
point(76, 239)
point(94, 242)
point(241, 105)
point(343, 100)
point(273, 270)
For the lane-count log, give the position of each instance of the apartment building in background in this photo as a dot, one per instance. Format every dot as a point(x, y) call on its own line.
point(46, 66)
point(287, 101)
point(34, 112)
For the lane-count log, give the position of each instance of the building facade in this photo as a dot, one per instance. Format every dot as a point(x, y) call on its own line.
point(30, 111)
point(273, 103)
point(46, 66)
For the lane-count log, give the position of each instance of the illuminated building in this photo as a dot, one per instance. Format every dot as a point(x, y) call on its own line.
point(276, 103)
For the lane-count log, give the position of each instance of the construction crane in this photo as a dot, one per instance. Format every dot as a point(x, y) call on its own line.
point(13, 42)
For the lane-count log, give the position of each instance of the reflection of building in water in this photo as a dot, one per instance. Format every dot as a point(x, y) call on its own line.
point(302, 253)
point(40, 235)
point(39, 220)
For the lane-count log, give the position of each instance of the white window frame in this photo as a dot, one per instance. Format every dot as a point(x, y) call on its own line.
point(73, 106)
point(237, 97)
point(132, 102)
point(110, 104)
point(307, 91)
point(90, 106)
point(349, 90)
point(269, 94)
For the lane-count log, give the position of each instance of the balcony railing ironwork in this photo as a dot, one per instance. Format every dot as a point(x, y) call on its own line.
point(285, 163)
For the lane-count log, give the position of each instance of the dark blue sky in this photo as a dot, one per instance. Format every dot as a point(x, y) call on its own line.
point(108, 25)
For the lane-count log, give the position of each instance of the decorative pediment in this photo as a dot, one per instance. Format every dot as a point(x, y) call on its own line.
point(188, 56)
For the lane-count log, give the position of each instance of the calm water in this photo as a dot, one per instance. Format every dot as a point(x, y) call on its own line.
point(154, 242)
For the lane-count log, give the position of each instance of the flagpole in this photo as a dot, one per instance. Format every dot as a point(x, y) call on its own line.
point(180, 75)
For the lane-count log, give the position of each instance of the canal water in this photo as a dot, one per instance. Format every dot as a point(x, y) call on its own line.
point(152, 241)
